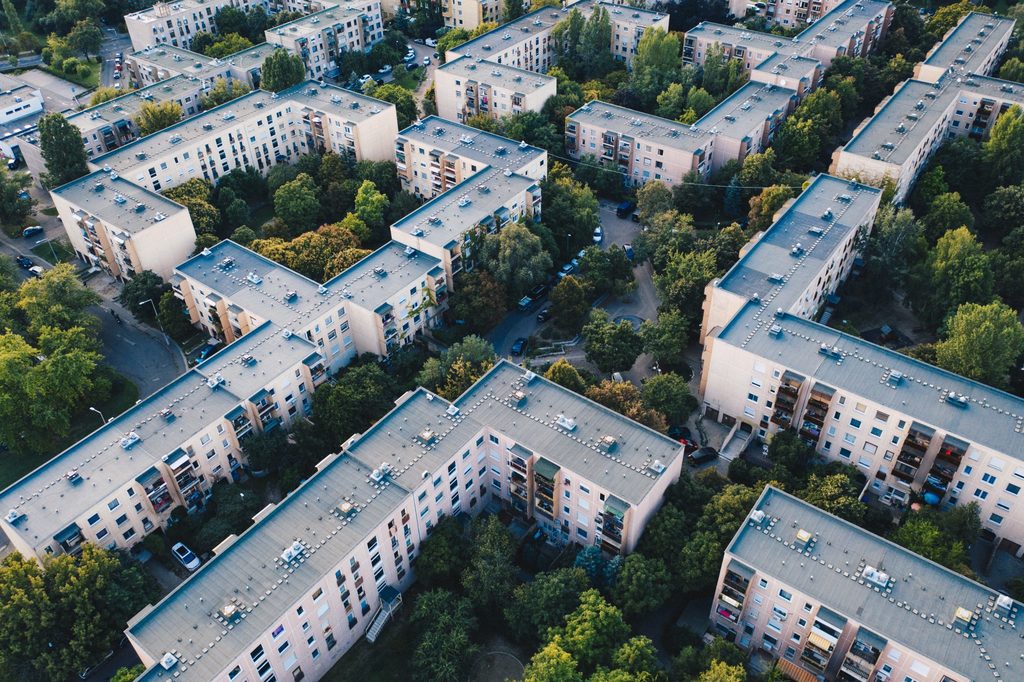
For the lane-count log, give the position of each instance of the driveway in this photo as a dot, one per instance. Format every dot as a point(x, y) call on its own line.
point(428, 80)
point(113, 42)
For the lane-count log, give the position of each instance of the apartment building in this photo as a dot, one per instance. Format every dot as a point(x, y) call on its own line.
point(851, 29)
point(376, 306)
point(525, 43)
point(157, 63)
point(177, 23)
point(323, 37)
point(18, 100)
point(828, 600)
point(645, 147)
point(122, 228)
point(950, 96)
point(467, 87)
point(788, 13)
point(123, 480)
point(301, 574)
point(907, 425)
point(470, 14)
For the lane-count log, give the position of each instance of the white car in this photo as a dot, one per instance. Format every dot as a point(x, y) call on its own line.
point(430, 42)
point(598, 235)
point(185, 556)
point(365, 78)
point(426, 61)
point(386, 69)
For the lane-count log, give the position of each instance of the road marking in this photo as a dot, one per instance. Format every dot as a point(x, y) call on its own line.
point(130, 343)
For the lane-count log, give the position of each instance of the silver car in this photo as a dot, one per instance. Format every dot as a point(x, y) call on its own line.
point(185, 556)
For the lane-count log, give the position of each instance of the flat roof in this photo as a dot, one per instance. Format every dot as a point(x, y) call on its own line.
point(637, 124)
point(179, 59)
point(125, 107)
point(390, 270)
point(434, 132)
point(447, 216)
point(833, 208)
point(971, 41)
point(249, 568)
point(917, 607)
point(51, 502)
point(741, 111)
point(179, 7)
point(492, 73)
point(353, 106)
point(337, 10)
point(118, 202)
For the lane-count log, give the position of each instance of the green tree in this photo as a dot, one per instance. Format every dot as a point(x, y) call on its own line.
point(405, 103)
point(956, 271)
point(570, 304)
point(263, 451)
point(12, 17)
point(63, 150)
point(611, 346)
point(1004, 148)
point(449, 41)
point(359, 397)
point(606, 271)
point(764, 206)
point(570, 210)
point(174, 317)
point(281, 70)
point(14, 209)
point(928, 187)
point(480, 301)
point(491, 573)
point(624, 397)
point(1012, 70)
point(515, 258)
point(701, 556)
point(946, 213)
point(144, 286)
point(564, 374)
point(458, 367)
point(681, 283)
point(86, 37)
point(837, 494)
point(642, 585)
point(949, 16)
point(593, 632)
point(700, 101)
point(983, 342)
point(512, 9)
point(896, 244)
point(371, 206)
point(670, 395)
point(296, 203)
point(651, 199)
point(921, 534)
point(1002, 212)
point(552, 663)
point(223, 91)
point(104, 94)
point(127, 674)
point(656, 63)
point(542, 603)
point(152, 117)
point(671, 101)
point(227, 44)
point(664, 338)
point(595, 45)
point(58, 299)
point(723, 672)
point(442, 555)
point(445, 650)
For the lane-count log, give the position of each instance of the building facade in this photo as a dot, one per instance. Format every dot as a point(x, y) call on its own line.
point(587, 475)
point(177, 23)
point(466, 87)
point(321, 38)
point(789, 13)
point(825, 599)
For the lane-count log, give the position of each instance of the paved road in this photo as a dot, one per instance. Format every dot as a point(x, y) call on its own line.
point(421, 52)
point(113, 42)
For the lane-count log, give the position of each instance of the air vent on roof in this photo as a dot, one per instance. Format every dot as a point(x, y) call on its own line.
point(518, 398)
point(803, 540)
point(286, 333)
point(776, 278)
point(248, 360)
point(380, 271)
point(207, 126)
point(409, 252)
point(817, 231)
point(130, 439)
point(464, 202)
point(831, 351)
point(292, 552)
point(845, 198)
point(228, 116)
point(426, 437)
point(607, 443)
point(875, 577)
point(797, 250)
point(139, 208)
point(417, 232)
point(775, 331)
point(567, 423)
point(13, 516)
point(656, 467)
point(827, 215)
point(215, 381)
point(895, 378)
point(956, 400)
point(901, 129)
point(73, 477)
point(120, 199)
point(174, 139)
point(434, 220)
point(757, 516)
point(1004, 604)
point(141, 156)
point(168, 661)
point(98, 187)
point(227, 263)
point(253, 278)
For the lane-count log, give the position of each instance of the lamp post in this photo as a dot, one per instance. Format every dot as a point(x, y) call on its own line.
point(568, 252)
point(93, 409)
point(157, 316)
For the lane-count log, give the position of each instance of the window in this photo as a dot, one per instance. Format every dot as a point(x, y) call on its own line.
point(980, 494)
point(762, 583)
point(257, 654)
point(855, 423)
point(786, 596)
point(278, 631)
point(849, 438)
point(113, 504)
point(494, 439)
point(95, 518)
point(235, 672)
point(988, 479)
point(1012, 488)
point(319, 593)
point(875, 431)
point(997, 519)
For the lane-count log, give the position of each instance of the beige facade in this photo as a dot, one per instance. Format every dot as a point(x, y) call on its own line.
point(323, 37)
point(470, 14)
point(123, 480)
point(368, 509)
point(828, 600)
point(177, 23)
point(788, 13)
point(157, 63)
point(465, 87)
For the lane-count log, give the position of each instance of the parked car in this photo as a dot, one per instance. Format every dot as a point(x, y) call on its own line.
point(185, 556)
point(702, 456)
point(24, 262)
point(117, 75)
point(679, 432)
point(598, 235)
point(364, 79)
point(430, 42)
point(519, 346)
point(426, 61)
point(208, 350)
point(386, 69)
point(634, 216)
point(36, 271)
point(566, 270)
point(24, 195)
point(538, 291)
point(624, 209)
point(13, 163)
point(628, 248)
point(544, 315)
point(32, 230)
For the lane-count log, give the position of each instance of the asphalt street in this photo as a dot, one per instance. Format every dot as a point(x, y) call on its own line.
point(113, 42)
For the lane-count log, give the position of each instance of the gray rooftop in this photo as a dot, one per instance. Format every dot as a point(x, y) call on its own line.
point(636, 124)
point(14, 91)
point(772, 254)
point(337, 11)
point(973, 40)
point(472, 202)
point(118, 202)
point(434, 132)
point(51, 502)
point(125, 107)
point(176, 59)
point(744, 109)
point(352, 106)
point(387, 272)
point(916, 610)
point(503, 75)
point(250, 564)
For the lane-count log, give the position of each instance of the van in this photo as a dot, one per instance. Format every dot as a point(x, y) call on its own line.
point(624, 209)
point(702, 456)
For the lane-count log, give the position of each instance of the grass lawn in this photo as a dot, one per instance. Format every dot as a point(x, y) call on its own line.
point(61, 249)
point(90, 80)
point(412, 79)
point(49, 211)
point(123, 394)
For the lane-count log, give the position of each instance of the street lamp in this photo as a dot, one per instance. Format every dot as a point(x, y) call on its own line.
point(568, 252)
point(52, 252)
point(93, 409)
point(157, 316)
